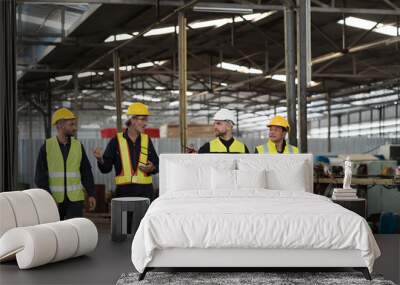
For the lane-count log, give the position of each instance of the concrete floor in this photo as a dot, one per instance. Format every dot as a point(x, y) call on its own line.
point(103, 266)
point(110, 259)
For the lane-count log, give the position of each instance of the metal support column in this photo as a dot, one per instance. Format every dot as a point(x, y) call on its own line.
point(266, 59)
point(117, 89)
point(329, 121)
point(397, 123)
point(237, 123)
point(302, 73)
point(62, 23)
point(76, 91)
point(290, 56)
point(210, 75)
point(49, 113)
point(30, 147)
point(182, 50)
point(8, 98)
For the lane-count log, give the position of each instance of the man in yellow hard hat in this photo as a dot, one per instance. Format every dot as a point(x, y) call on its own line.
point(278, 128)
point(133, 156)
point(63, 168)
point(224, 141)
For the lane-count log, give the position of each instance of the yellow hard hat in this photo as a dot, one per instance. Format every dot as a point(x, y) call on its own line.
point(280, 122)
point(62, 114)
point(138, 109)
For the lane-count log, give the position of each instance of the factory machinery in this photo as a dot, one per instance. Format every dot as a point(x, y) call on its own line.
point(376, 178)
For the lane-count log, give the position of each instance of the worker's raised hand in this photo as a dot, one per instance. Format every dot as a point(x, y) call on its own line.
point(98, 154)
point(147, 168)
point(190, 149)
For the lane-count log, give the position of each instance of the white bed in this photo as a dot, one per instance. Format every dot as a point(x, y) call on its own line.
point(247, 211)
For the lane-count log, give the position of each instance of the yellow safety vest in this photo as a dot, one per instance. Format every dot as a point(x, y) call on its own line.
point(236, 147)
point(270, 148)
point(128, 174)
point(57, 173)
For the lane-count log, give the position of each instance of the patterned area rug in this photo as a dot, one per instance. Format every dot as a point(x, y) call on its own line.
point(230, 278)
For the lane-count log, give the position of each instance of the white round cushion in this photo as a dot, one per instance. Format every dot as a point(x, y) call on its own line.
point(87, 234)
point(23, 207)
point(7, 218)
point(45, 205)
point(33, 246)
point(67, 239)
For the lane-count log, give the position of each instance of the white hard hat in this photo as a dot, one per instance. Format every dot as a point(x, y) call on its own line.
point(225, 115)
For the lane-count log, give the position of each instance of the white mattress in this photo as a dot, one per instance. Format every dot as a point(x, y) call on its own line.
point(257, 218)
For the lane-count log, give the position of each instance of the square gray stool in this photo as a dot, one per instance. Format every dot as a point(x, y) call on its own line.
point(120, 207)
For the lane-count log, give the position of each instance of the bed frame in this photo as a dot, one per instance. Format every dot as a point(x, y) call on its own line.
point(245, 259)
point(255, 259)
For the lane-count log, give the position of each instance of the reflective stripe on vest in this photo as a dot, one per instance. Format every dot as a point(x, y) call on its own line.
point(57, 173)
point(270, 148)
point(236, 147)
point(128, 174)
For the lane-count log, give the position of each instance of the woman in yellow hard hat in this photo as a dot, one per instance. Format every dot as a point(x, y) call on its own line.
point(63, 168)
point(132, 155)
point(278, 128)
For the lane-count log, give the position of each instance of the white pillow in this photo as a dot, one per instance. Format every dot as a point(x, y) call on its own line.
point(280, 180)
point(223, 179)
point(187, 177)
point(282, 172)
point(251, 178)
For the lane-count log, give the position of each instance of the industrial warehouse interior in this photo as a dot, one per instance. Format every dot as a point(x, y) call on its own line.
point(199, 142)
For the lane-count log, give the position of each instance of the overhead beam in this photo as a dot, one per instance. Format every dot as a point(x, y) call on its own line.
point(170, 3)
point(255, 7)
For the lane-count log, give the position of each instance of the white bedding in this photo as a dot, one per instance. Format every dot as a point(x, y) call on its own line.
point(252, 218)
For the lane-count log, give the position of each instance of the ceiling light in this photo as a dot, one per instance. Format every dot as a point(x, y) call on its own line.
point(368, 25)
point(64, 78)
point(282, 77)
point(86, 74)
point(214, 9)
point(146, 98)
point(120, 37)
point(188, 93)
point(108, 107)
point(161, 31)
point(210, 23)
point(150, 63)
point(239, 68)
point(383, 99)
point(174, 103)
point(160, 88)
